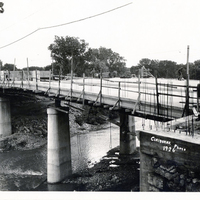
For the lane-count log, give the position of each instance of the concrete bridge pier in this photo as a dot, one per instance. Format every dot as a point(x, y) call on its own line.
point(127, 134)
point(5, 117)
point(58, 150)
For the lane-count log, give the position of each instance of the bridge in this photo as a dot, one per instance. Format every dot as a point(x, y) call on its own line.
point(156, 99)
point(159, 99)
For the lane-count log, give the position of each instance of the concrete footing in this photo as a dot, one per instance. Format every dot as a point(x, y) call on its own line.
point(59, 150)
point(5, 117)
point(127, 134)
point(169, 161)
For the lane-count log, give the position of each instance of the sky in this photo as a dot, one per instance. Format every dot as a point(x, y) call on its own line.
point(154, 29)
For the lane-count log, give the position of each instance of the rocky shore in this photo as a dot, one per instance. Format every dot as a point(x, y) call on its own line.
point(112, 173)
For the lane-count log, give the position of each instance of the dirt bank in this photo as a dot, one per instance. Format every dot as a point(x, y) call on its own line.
point(29, 123)
point(112, 173)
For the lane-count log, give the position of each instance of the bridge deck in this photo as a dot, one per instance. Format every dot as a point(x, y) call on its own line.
point(141, 97)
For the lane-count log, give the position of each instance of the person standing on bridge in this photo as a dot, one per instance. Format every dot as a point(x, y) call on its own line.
point(180, 73)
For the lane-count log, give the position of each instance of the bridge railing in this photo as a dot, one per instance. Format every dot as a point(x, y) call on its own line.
point(164, 94)
point(145, 92)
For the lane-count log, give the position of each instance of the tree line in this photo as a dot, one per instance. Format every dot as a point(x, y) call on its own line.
point(168, 69)
point(73, 53)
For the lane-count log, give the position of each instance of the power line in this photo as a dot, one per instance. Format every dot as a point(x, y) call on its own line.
point(64, 24)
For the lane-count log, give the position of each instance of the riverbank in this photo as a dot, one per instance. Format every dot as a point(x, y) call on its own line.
point(29, 124)
point(28, 143)
point(112, 173)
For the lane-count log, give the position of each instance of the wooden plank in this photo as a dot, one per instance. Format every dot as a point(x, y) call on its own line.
point(38, 92)
point(51, 95)
point(106, 106)
point(97, 104)
point(128, 110)
point(90, 102)
point(79, 101)
point(61, 97)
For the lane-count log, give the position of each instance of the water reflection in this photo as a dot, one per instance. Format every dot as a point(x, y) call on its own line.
point(26, 170)
point(87, 149)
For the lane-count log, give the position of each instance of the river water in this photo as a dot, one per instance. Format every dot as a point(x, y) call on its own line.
point(26, 170)
point(88, 149)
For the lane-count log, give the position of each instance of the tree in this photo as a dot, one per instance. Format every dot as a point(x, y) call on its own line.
point(8, 67)
point(33, 68)
point(68, 50)
point(195, 70)
point(55, 67)
point(161, 69)
point(97, 61)
point(150, 65)
point(167, 69)
point(105, 60)
point(146, 62)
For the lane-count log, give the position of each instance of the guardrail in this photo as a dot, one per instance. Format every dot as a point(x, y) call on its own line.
point(155, 96)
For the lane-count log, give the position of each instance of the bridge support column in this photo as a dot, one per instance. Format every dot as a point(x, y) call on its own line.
point(59, 150)
point(5, 117)
point(169, 161)
point(127, 134)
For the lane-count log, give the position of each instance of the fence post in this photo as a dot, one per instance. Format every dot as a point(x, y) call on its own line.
point(198, 95)
point(83, 89)
point(28, 73)
point(100, 93)
point(36, 81)
point(59, 83)
point(13, 81)
point(49, 79)
point(22, 77)
point(8, 78)
point(72, 71)
point(157, 96)
point(139, 83)
point(187, 103)
point(119, 88)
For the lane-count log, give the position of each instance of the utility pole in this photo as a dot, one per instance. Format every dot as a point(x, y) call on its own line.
point(187, 87)
point(72, 71)
point(14, 64)
point(1, 7)
point(52, 67)
point(14, 70)
point(27, 70)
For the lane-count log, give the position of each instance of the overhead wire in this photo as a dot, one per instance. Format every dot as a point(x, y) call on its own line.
point(64, 24)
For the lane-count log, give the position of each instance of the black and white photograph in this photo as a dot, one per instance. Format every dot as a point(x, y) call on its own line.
point(99, 99)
